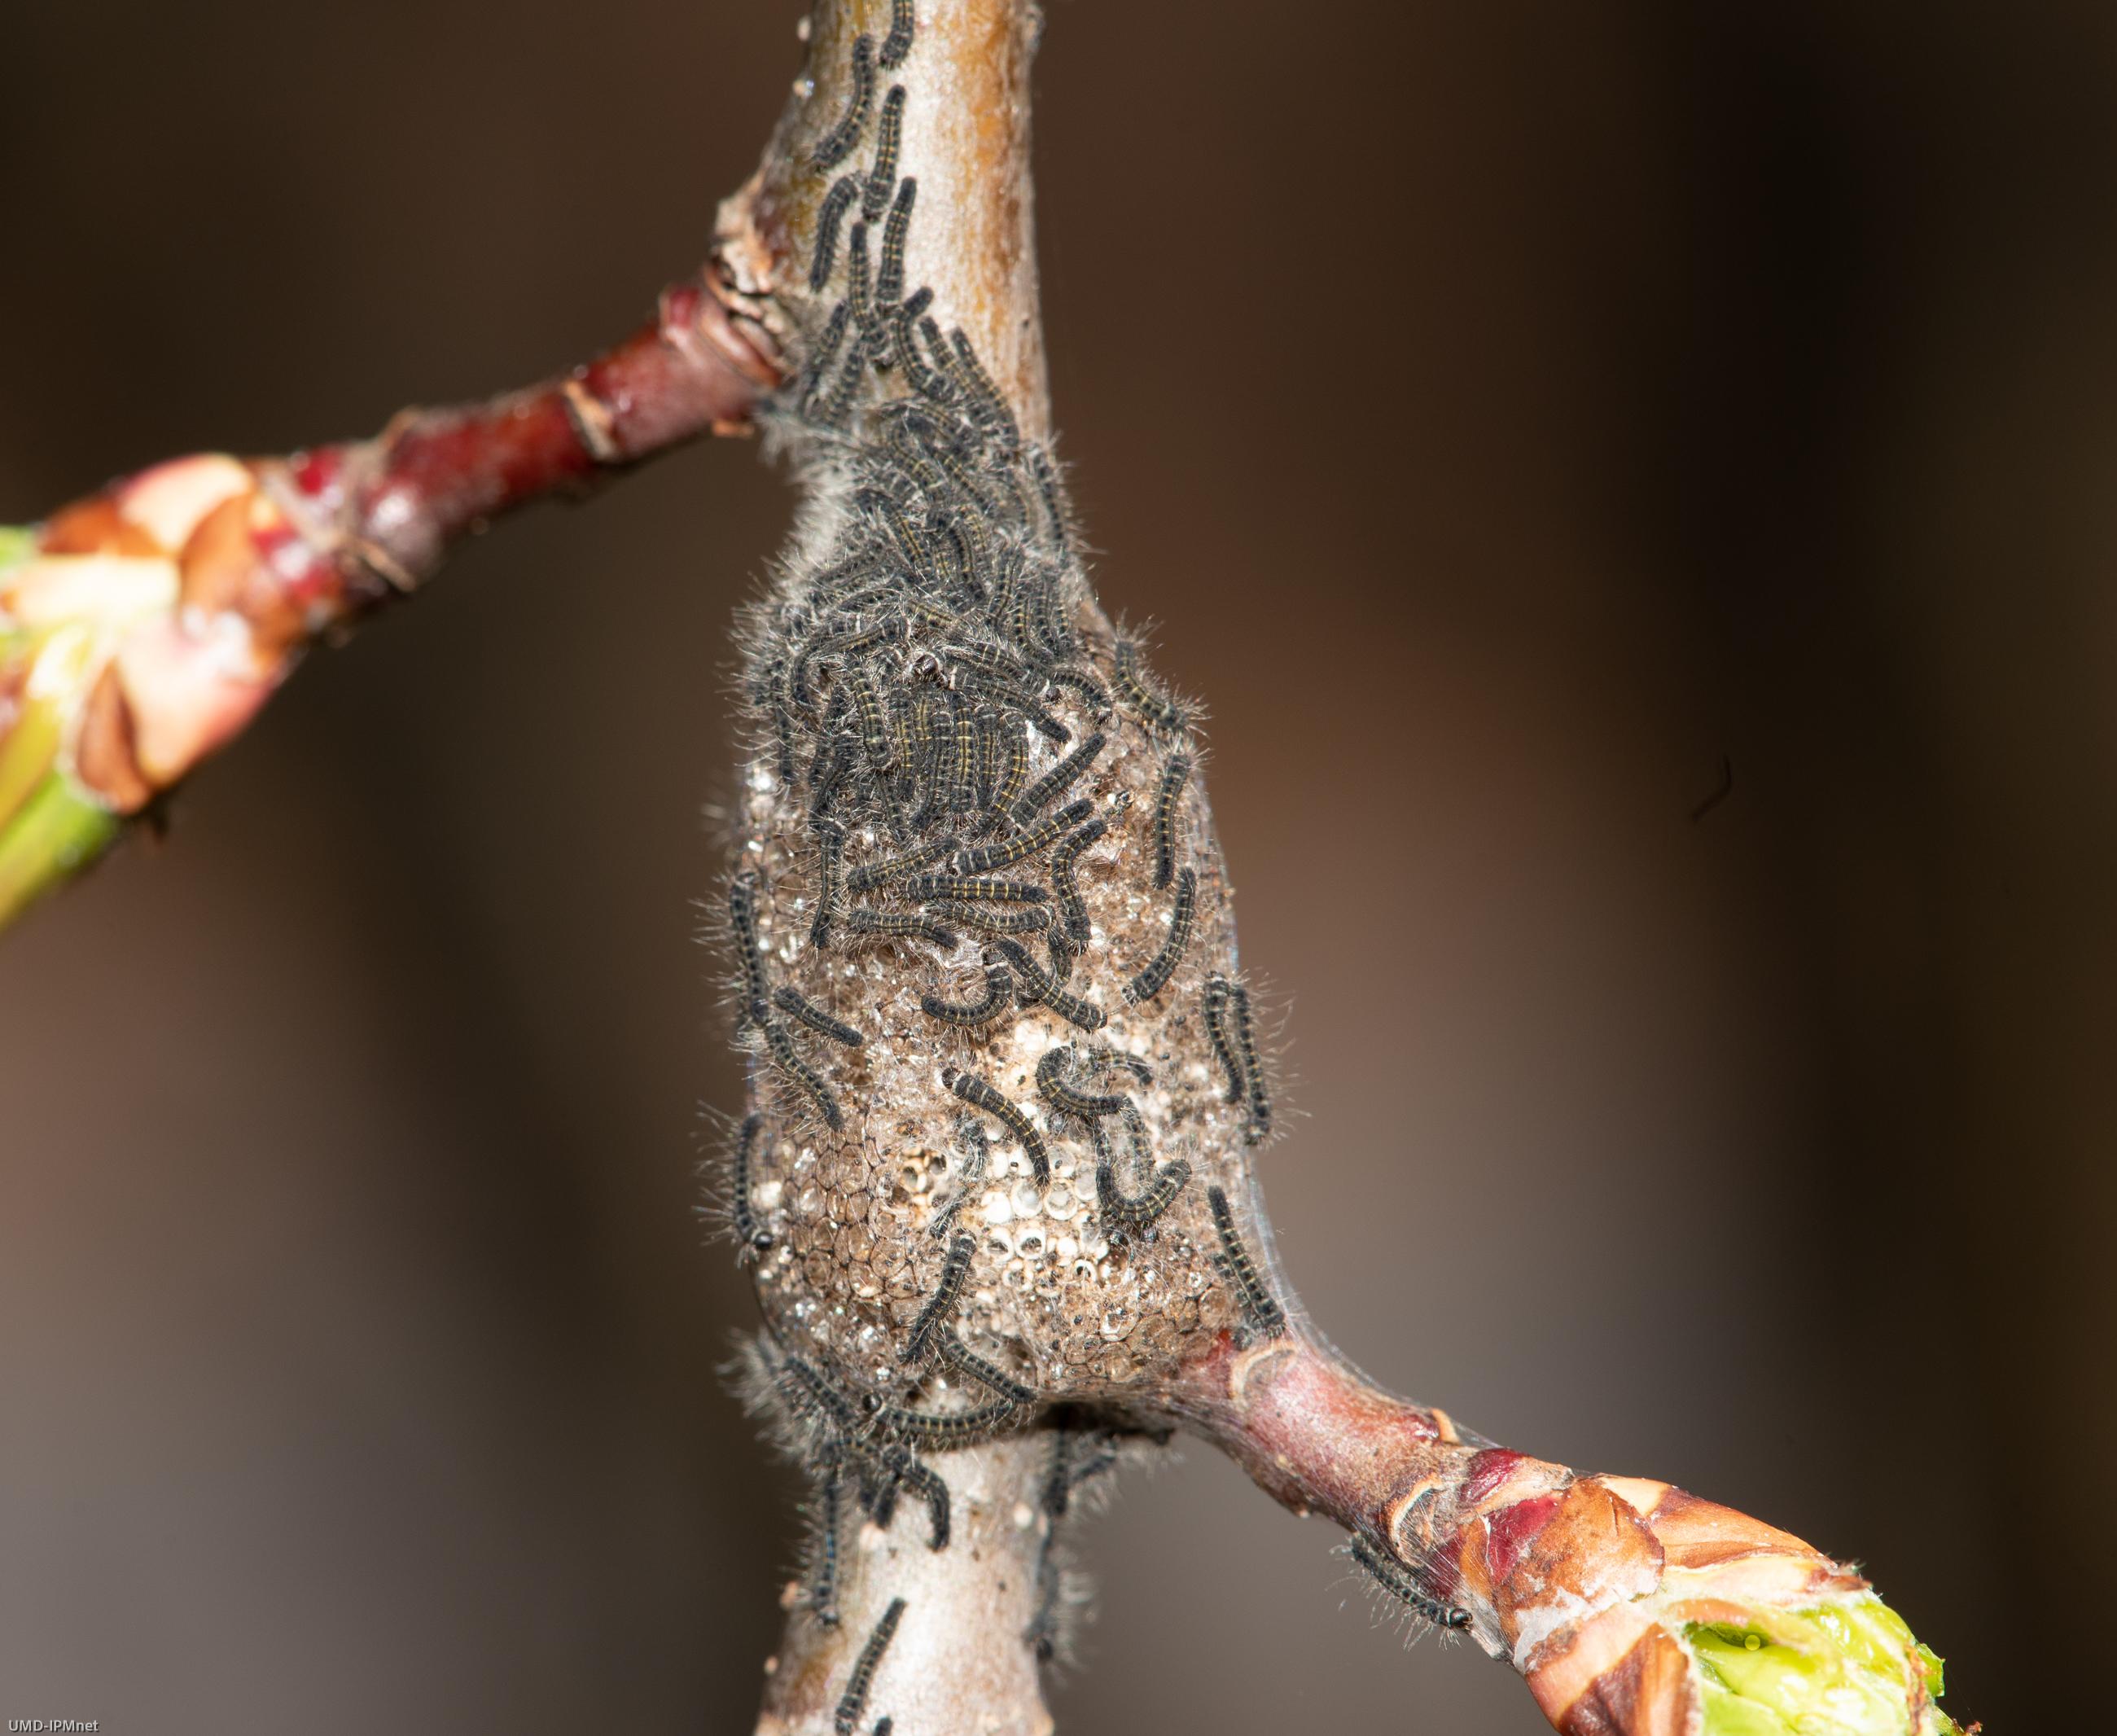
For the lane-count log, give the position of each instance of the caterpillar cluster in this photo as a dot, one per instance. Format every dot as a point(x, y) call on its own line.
point(1002, 1075)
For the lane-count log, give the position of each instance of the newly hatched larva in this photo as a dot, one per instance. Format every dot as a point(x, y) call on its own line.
point(837, 144)
point(742, 917)
point(881, 177)
point(810, 1081)
point(1260, 1121)
point(1040, 837)
point(889, 273)
point(871, 875)
point(1167, 799)
point(1033, 983)
point(792, 1001)
point(942, 1431)
point(1259, 1307)
point(1218, 1017)
point(897, 43)
point(1065, 861)
point(1059, 779)
point(843, 191)
point(854, 1701)
point(957, 1355)
point(830, 856)
point(1021, 919)
point(1134, 695)
point(934, 1316)
point(890, 924)
point(1123, 1215)
point(751, 1236)
point(1065, 1097)
point(1407, 1591)
point(968, 1015)
point(1151, 982)
point(979, 1095)
point(970, 889)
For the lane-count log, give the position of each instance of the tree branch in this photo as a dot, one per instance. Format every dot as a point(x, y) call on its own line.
point(142, 628)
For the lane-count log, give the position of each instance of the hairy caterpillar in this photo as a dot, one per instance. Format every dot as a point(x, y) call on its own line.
point(854, 1701)
point(837, 144)
point(1151, 982)
point(979, 1095)
point(1257, 1304)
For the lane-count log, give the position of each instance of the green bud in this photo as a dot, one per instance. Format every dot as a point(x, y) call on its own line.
point(1847, 1669)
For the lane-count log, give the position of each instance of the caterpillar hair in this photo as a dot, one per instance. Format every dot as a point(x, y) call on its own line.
point(837, 403)
point(979, 1095)
point(1035, 984)
point(1073, 909)
point(868, 713)
point(1059, 779)
point(1218, 989)
point(811, 1081)
point(886, 924)
point(934, 1316)
point(830, 853)
point(962, 889)
point(751, 1237)
point(1151, 982)
point(974, 1172)
point(897, 43)
point(889, 273)
point(1399, 1585)
point(1097, 700)
point(1174, 776)
point(872, 874)
point(742, 917)
point(1088, 1106)
point(791, 1001)
point(837, 144)
point(843, 191)
point(968, 1015)
point(1007, 786)
point(1135, 696)
point(959, 1356)
point(994, 409)
point(854, 1701)
point(825, 351)
point(881, 178)
point(1259, 1307)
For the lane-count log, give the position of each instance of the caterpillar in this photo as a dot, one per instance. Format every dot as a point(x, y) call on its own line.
point(830, 853)
point(1089, 1105)
point(825, 351)
point(881, 178)
point(1006, 785)
point(810, 1081)
point(1257, 1302)
point(942, 1431)
point(1096, 699)
point(868, 712)
point(843, 191)
point(1022, 919)
point(1218, 989)
point(1122, 1216)
point(1073, 909)
point(889, 273)
point(897, 43)
point(973, 889)
point(1059, 779)
point(837, 144)
point(859, 281)
point(1151, 982)
point(1035, 984)
point(1260, 1121)
point(854, 1701)
point(883, 924)
point(751, 1237)
point(934, 1316)
point(792, 1001)
point(979, 1095)
point(1399, 1585)
point(1149, 706)
point(1174, 776)
point(742, 917)
point(1054, 508)
point(968, 1015)
point(824, 1572)
point(959, 1356)
point(994, 409)
point(871, 875)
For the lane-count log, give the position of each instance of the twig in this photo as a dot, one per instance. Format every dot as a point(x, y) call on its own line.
point(142, 628)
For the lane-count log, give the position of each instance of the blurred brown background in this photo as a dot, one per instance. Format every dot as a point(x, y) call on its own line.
point(1511, 410)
